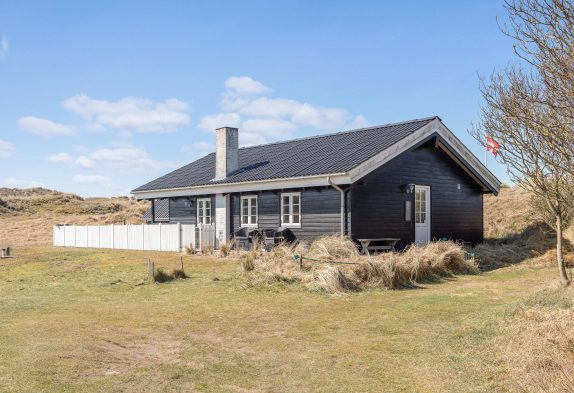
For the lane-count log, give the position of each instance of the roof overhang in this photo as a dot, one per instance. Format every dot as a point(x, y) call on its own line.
point(259, 185)
point(446, 140)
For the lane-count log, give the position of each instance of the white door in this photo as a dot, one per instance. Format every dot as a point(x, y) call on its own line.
point(422, 215)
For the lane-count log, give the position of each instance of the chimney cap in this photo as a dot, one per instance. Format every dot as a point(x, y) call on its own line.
point(226, 128)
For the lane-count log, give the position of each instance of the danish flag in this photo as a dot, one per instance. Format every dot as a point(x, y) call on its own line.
point(492, 146)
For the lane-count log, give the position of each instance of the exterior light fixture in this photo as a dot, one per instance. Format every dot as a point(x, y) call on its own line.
point(410, 188)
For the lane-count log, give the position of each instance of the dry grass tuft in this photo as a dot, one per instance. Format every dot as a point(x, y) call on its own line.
point(224, 249)
point(387, 270)
point(189, 250)
point(161, 275)
point(206, 250)
point(333, 280)
point(541, 335)
point(333, 248)
point(247, 263)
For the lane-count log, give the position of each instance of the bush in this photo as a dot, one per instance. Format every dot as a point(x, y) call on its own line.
point(161, 276)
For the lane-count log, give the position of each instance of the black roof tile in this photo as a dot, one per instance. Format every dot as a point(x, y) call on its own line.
point(318, 155)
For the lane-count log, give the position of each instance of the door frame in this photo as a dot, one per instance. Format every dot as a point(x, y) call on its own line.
point(428, 210)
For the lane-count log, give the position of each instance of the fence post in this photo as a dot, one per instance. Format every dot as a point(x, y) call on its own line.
point(179, 237)
point(200, 239)
point(113, 236)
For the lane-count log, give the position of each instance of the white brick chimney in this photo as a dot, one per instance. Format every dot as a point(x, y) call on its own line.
point(226, 152)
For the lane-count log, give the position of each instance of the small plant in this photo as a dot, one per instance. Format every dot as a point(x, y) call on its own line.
point(179, 274)
point(224, 249)
point(247, 263)
point(161, 275)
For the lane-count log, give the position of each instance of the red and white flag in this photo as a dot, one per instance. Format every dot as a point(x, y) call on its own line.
point(492, 146)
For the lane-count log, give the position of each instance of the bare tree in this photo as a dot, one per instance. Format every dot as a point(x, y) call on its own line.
point(516, 116)
point(543, 31)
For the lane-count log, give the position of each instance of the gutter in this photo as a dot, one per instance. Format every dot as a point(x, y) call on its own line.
point(336, 187)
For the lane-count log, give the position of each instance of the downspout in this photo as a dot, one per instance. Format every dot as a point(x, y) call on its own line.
point(336, 187)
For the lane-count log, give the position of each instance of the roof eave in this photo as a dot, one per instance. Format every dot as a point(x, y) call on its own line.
point(257, 185)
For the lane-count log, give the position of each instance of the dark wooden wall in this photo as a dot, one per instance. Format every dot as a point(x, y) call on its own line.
point(320, 211)
point(184, 209)
point(378, 200)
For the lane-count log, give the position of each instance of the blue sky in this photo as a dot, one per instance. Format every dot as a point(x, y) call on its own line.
point(97, 98)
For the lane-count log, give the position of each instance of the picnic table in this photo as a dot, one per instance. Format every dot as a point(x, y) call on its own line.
point(380, 244)
point(6, 252)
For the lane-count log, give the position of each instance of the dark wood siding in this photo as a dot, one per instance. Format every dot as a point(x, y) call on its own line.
point(320, 211)
point(378, 200)
point(184, 209)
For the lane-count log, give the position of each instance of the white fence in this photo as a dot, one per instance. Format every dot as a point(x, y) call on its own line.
point(153, 237)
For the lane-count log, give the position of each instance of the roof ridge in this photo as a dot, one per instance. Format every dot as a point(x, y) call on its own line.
point(341, 132)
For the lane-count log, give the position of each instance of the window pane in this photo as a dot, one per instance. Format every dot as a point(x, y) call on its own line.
point(286, 219)
point(253, 201)
point(286, 209)
point(207, 220)
point(244, 202)
point(295, 199)
point(295, 219)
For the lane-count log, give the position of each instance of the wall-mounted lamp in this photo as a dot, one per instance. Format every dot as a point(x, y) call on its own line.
point(410, 188)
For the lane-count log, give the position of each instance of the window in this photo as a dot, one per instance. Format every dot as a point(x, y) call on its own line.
point(420, 206)
point(161, 209)
point(249, 211)
point(204, 211)
point(291, 209)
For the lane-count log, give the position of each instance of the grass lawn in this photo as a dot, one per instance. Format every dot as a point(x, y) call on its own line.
point(88, 320)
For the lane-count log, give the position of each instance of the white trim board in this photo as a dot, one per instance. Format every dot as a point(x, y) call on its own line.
point(434, 127)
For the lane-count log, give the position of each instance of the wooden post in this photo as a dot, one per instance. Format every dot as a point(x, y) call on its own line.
point(301, 262)
point(181, 260)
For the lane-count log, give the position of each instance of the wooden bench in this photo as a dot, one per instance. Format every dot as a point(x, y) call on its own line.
point(380, 244)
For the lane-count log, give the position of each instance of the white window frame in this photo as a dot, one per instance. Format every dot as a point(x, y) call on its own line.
point(249, 198)
point(201, 220)
point(290, 222)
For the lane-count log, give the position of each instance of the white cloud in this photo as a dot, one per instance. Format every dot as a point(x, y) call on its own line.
point(12, 182)
point(135, 114)
point(263, 119)
point(92, 179)
point(130, 159)
point(43, 127)
point(60, 158)
point(246, 85)
point(211, 122)
point(4, 47)
point(6, 149)
point(84, 162)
